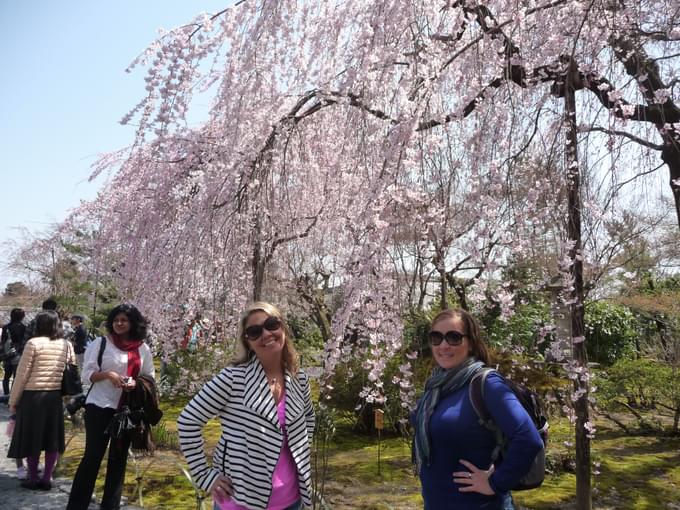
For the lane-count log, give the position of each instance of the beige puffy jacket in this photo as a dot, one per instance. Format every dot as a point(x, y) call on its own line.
point(41, 366)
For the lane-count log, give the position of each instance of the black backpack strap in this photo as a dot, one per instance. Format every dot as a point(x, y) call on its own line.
point(476, 393)
point(100, 356)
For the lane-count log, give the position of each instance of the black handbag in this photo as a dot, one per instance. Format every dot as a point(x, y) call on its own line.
point(70, 380)
point(8, 351)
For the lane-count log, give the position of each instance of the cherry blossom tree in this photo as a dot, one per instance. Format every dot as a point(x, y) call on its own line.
point(338, 127)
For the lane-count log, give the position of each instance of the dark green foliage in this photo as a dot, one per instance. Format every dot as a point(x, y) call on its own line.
point(186, 371)
point(611, 331)
point(324, 432)
point(634, 386)
point(522, 329)
point(308, 340)
point(416, 329)
point(351, 377)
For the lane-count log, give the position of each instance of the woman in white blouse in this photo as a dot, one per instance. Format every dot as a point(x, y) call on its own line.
point(125, 358)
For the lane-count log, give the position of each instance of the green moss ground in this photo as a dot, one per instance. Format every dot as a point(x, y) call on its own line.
point(639, 472)
point(164, 486)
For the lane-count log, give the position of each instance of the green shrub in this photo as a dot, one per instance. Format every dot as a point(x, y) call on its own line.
point(308, 340)
point(611, 330)
point(522, 329)
point(187, 371)
point(636, 386)
point(164, 438)
point(351, 377)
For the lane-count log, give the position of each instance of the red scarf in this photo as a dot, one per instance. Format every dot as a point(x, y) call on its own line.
point(134, 364)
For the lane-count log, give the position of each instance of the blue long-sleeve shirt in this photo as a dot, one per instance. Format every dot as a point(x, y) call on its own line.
point(455, 434)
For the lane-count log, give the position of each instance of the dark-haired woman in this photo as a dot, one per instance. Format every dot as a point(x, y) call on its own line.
point(452, 450)
point(264, 406)
point(12, 332)
point(125, 358)
point(36, 401)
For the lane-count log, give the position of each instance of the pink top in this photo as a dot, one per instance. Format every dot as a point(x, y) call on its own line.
point(285, 488)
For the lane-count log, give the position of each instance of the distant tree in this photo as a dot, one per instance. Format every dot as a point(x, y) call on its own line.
point(60, 263)
point(16, 289)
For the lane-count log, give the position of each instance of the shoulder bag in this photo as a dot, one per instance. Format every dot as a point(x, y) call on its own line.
point(70, 379)
point(8, 350)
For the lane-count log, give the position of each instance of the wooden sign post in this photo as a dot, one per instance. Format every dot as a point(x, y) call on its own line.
point(379, 422)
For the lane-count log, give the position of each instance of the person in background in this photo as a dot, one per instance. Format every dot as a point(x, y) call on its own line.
point(79, 338)
point(262, 460)
point(48, 304)
point(36, 401)
point(452, 450)
point(14, 332)
point(126, 356)
point(192, 334)
point(66, 325)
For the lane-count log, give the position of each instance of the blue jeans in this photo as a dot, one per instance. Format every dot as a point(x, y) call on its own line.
point(506, 504)
point(295, 506)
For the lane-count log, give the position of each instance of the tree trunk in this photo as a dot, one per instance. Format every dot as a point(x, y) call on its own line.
point(646, 71)
point(671, 156)
point(316, 298)
point(259, 262)
point(95, 296)
point(443, 288)
point(581, 408)
point(461, 292)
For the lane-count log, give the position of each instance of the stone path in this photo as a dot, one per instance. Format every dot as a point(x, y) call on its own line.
point(14, 497)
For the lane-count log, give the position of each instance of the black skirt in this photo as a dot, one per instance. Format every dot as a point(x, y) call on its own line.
point(39, 426)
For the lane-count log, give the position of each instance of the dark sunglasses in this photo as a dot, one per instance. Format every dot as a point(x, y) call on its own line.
point(255, 331)
point(452, 337)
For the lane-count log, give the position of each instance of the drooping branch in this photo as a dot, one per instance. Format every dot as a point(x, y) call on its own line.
point(663, 114)
point(646, 71)
point(625, 134)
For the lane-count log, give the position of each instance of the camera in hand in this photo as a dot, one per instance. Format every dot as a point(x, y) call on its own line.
point(76, 403)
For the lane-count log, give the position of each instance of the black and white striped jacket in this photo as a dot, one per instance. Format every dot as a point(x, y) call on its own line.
point(251, 441)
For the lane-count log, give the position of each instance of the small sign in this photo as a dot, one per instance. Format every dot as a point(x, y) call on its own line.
point(379, 419)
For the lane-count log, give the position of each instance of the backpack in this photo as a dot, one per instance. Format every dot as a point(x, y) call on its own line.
point(533, 405)
point(8, 351)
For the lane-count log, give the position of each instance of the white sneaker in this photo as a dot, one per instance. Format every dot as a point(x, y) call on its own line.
point(21, 473)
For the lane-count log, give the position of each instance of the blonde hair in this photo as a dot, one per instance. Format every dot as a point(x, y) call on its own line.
point(290, 359)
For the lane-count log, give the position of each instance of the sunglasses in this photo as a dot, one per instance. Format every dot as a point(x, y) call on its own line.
point(452, 337)
point(255, 331)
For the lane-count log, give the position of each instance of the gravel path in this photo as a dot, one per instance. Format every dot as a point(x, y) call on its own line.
point(14, 497)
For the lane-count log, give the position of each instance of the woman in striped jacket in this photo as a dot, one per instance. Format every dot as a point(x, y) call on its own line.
point(262, 459)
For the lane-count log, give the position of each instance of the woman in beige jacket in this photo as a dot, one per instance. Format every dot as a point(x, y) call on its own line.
point(36, 400)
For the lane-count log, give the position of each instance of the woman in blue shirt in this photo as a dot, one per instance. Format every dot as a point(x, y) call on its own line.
point(452, 450)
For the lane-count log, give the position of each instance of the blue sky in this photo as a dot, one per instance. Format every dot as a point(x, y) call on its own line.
point(63, 90)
